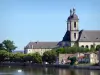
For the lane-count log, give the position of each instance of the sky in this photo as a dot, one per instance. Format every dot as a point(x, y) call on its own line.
point(24, 21)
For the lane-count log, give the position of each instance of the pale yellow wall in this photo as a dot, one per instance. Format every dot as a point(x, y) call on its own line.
point(88, 43)
point(93, 58)
point(41, 51)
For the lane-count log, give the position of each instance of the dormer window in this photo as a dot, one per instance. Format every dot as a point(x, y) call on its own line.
point(96, 38)
point(74, 24)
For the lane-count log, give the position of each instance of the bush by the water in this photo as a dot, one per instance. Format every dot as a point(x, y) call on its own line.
point(48, 56)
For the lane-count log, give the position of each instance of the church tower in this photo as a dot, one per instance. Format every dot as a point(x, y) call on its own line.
point(72, 27)
point(72, 34)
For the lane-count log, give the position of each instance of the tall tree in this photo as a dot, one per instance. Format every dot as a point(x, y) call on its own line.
point(1, 47)
point(37, 58)
point(3, 55)
point(49, 56)
point(9, 45)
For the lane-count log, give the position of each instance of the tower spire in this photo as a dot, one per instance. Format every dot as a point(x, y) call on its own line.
point(73, 10)
point(70, 12)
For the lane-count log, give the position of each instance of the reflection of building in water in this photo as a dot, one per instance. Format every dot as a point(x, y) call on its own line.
point(94, 73)
point(66, 72)
point(77, 72)
point(82, 72)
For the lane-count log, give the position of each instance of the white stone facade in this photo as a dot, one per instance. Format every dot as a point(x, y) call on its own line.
point(88, 44)
point(40, 51)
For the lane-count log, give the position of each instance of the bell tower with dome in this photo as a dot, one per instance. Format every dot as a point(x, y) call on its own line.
point(72, 33)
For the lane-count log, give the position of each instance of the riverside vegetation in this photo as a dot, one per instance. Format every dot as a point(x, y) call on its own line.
point(7, 46)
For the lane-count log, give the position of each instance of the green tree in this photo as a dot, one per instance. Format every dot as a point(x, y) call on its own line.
point(86, 50)
point(73, 60)
point(61, 50)
point(67, 50)
point(17, 57)
point(11, 57)
point(28, 57)
point(74, 49)
point(82, 50)
point(49, 56)
point(1, 47)
point(92, 49)
point(3, 55)
point(9, 45)
point(37, 58)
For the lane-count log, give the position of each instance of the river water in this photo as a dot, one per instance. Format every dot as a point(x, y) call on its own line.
point(45, 71)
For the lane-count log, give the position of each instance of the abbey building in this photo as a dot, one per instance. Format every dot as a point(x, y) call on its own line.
point(83, 38)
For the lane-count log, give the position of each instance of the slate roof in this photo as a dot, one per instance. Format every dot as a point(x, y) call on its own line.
point(66, 36)
point(73, 17)
point(89, 36)
point(41, 45)
point(46, 45)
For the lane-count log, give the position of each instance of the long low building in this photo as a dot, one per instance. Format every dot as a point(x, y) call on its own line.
point(40, 47)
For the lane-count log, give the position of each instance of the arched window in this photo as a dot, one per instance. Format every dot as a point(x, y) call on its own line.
point(75, 35)
point(82, 46)
point(87, 46)
point(74, 24)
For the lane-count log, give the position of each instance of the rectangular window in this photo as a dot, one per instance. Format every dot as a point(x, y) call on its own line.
point(74, 24)
point(75, 35)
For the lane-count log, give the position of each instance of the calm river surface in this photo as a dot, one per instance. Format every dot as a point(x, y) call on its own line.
point(45, 71)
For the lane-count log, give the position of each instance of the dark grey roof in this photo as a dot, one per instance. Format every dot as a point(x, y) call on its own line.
point(89, 36)
point(67, 36)
point(63, 44)
point(41, 45)
point(73, 17)
point(46, 45)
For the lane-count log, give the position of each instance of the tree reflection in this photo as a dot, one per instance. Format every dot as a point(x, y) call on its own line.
point(47, 71)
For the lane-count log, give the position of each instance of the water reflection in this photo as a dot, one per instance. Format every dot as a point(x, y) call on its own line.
point(45, 71)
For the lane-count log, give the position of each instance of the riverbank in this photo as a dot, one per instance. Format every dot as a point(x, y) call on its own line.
point(52, 65)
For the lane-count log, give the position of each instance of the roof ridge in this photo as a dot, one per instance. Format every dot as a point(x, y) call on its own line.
point(91, 30)
point(45, 41)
